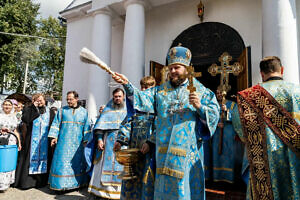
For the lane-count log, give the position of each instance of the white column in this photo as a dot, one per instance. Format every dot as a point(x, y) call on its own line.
point(133, 58)
point(101, 46)
point(280, 35)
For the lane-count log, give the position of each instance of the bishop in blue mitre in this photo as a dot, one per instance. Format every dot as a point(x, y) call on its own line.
point(179, 139)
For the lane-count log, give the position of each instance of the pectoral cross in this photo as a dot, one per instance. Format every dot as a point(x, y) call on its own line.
point(225, 69)
point(190, 75)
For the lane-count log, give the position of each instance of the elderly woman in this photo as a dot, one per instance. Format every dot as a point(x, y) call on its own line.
point(8, 123)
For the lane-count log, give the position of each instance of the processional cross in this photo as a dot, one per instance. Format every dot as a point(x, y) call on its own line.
point(191, 74)
point(224, 70)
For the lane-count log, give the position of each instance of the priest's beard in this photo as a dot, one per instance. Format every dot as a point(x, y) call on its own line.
point(176, 82)
point(118, 106)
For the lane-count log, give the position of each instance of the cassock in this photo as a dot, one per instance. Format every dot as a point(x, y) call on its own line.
point(105, 182)
point(134, 132)
point(227, 165)
point(72, 129)
point(179, 149)
point(33, 162)
point(280, 164)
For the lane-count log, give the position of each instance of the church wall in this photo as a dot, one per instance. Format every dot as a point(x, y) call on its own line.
point(116, 49)
point(75, 72)
point(165, 23)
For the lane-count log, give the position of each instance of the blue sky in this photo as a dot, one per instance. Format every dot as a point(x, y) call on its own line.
point(52, 7)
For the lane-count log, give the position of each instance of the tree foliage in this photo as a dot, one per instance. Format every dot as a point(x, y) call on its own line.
point(45, 56)
point(51, 62)
point(16, 17)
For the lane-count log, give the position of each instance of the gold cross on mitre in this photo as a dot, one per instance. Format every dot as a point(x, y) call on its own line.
point(224, 70)
point(191, 73)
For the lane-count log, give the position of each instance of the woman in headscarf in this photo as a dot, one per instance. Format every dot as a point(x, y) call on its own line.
point(8, 123)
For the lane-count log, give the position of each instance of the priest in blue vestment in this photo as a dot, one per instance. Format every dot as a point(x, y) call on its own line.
point(179, 148)
point(224, 163)
point(105, 182)
point(137, 131)
point(268, 122)
point(70, 131)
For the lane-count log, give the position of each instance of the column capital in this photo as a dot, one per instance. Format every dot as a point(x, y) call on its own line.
point(144, 3)
point(105, 11)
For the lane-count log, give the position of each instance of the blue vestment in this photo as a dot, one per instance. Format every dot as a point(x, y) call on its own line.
point(71, 127)
point(134, 132)
point(284, 165)
point(179, 151)
point(105, 181)
point(39, 144)
point(227, 165)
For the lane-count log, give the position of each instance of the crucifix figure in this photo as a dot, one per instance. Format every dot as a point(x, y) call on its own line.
point(224, 70)
point(190, 75)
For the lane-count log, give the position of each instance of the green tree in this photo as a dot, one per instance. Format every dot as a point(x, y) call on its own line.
point(17, 16)
point(50, 65)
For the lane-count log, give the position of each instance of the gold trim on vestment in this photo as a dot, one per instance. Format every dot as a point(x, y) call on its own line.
point(85, 132)
point(296, 115)
point(223, 168)
point(223, 180)
point(254, 133)
point(110, 173)
point(70, 122)
point(170, 172)
point(149, 171)
point(110, 184)
point(172, 150)
point(105, 191)
point(232, 105)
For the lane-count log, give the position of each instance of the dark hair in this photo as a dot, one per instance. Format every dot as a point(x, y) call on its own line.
point(74, 93)
point(118, 90)
point(270, 64)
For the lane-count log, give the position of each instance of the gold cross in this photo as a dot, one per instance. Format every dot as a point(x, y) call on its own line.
point(225, 69)
point(190, 75)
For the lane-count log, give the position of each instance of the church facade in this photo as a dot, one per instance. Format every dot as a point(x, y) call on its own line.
point(129, 34)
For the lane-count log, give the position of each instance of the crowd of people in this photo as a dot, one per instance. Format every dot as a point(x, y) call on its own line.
point(177, 131)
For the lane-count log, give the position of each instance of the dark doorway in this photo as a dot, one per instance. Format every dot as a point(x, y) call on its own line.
point(207, 41)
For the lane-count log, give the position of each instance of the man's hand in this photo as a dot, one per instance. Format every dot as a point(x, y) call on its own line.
point(53, 142)
point(100, 145)
point(194, 100)
point(120, 78)
point(145, 148)
point(117, 146)
point(19, 147)
point(36, 103)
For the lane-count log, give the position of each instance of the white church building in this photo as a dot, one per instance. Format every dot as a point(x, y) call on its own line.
point(128, 34)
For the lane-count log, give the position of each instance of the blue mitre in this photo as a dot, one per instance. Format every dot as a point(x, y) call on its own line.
point(179, 55)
